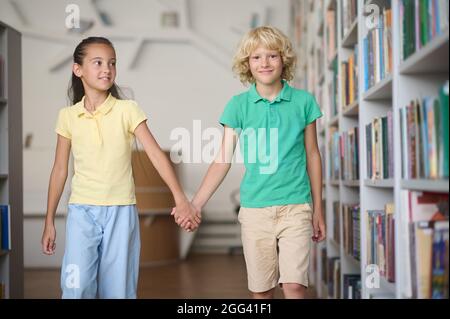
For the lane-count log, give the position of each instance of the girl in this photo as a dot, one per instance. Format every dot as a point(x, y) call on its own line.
point(102, 233)
point(281, 204)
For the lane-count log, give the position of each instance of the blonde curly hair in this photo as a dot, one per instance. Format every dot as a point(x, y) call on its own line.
point(271, 38)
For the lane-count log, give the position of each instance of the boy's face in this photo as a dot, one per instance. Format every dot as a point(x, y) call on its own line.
point(99, 67)
point(266, 65)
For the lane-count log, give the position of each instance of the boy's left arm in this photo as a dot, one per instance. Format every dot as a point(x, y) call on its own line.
point(314, 166)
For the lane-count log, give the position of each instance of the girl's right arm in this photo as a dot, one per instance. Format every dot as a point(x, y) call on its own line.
point(56, 186)
point(216, 172)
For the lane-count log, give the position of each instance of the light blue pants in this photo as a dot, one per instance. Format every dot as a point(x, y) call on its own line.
point(101, 259)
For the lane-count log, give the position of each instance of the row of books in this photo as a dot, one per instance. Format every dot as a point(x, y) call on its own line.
point(349, 15)
point(351, 230)
point(315, 74)
point(331, 278)
point(381, 240)
point(5, 228)
point(336, 222)
point(319, 57)
point(421, 21)
point(333, 90)
point(317, 8)
point(334, 151)
point(427, 240)
point(349, 154)
point(377, 51)
point(349, 77)
point(424, 132)
point(344, 152)
point(323, 161)
point(380, 148)
point(331, 34)
point(320, 96)
point(316, 55)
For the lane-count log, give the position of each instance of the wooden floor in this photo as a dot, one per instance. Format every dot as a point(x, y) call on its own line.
point(200, 276)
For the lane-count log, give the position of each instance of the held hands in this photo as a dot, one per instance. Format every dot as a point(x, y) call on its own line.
point(48, 239)
point(187, 216)
point(318, 226)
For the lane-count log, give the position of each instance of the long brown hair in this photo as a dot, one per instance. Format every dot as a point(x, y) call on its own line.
point(76, 89)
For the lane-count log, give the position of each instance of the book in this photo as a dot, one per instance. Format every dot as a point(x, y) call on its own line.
point(424, 137)
point(352, 286)
point(5, 215)
point(427, 239)
point(439, 266)
point(444, 130)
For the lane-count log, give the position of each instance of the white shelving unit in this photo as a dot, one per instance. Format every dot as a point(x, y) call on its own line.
point(11, 262)
point(420, 75)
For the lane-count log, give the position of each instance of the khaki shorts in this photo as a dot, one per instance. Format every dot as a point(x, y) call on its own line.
point(276, 242)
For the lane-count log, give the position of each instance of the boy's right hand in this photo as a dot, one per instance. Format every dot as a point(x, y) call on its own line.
point(48, 239)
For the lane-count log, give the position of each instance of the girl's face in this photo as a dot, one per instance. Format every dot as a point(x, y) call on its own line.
point(266, 65)
point(98, 70)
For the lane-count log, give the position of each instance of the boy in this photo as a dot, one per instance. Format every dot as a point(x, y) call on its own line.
point(276, 216)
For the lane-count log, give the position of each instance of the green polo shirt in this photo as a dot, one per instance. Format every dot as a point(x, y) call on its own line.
point(272, 145)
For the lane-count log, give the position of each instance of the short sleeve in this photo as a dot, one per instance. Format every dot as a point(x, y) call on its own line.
point(313, 111)
point(136, 117)
point(62, 124)
point(231, 116)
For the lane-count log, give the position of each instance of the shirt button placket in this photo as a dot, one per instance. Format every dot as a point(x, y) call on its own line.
point(98, 136)
point(273, 115)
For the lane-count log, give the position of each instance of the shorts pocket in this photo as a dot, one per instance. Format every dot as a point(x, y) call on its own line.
point(302, 211)
point(241, 214)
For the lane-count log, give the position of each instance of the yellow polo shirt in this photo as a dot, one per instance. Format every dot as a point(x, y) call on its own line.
point(101, 146)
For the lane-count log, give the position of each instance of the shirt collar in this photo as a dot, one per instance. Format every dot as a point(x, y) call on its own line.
point(104, 108)
point(285, 93)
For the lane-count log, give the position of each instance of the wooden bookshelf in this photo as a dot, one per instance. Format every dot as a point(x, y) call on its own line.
point(11, 167)
point(421, 74)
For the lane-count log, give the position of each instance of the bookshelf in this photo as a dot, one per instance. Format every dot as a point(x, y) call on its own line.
point(11, 194)
point(382, 84)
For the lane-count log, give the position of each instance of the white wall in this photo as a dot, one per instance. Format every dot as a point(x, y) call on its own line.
point(173, 83)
